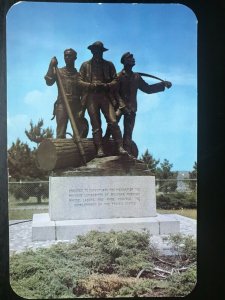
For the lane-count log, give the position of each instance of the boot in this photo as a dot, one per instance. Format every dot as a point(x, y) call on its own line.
point(120, 149)
point(117, 136)
point(127, 146)
point(107, 135)
point(100, 151)
point(97, 137)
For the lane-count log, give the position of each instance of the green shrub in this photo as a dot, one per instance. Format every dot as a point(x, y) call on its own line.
point(54, 271)
point(98, 286)
point(176, 200)
point(184, 247)
point(182, 284)
point(124, 253)
point(100, 264)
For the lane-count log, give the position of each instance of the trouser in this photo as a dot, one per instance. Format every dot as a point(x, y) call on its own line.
point(62, 120)
point(128, 124)
point(97, 103)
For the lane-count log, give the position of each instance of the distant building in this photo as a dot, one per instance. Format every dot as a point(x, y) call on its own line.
point(182, 182)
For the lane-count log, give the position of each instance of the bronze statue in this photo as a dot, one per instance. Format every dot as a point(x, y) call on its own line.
point(128, 84)
point(69, 76)
point(96, 78)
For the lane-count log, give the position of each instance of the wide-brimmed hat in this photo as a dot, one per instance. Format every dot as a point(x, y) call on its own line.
point(99, 45)
point(124, 56)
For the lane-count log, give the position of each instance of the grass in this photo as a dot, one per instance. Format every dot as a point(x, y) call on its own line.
point(24, 210)
point(189, 213)
point(35, 208)
point(32, 201)
point(25, 214)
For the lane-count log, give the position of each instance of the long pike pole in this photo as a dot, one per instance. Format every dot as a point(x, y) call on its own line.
point(76, 135)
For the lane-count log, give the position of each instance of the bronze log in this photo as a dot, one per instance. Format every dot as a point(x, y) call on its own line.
point(55, 154)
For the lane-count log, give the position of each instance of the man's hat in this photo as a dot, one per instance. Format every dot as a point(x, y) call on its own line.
point(99, 45)
point(124, 56)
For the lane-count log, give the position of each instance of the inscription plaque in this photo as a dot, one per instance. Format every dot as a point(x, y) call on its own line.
point(74, 198)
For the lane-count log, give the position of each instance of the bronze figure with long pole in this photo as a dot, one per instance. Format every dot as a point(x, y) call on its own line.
point(76, 135)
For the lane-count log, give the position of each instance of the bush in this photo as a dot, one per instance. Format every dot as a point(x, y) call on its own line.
point(97, 286)
point(182, 284)
point(176, 200)
point(54, 271)
point(101, 264)
point(184, 247)
point(124, 253)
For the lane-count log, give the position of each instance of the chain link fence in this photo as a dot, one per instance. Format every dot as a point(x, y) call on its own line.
point(25, 190)
point(176, 185)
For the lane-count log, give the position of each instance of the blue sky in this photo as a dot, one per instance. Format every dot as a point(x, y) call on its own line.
point(163, 39)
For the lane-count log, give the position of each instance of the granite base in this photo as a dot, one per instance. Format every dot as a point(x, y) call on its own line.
point(44, 229)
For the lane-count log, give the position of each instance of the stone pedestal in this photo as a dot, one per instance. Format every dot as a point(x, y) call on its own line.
point(45, 229)
point(101, 197)
point(78, 204)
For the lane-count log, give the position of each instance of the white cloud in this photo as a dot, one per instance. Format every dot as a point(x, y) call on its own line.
point(16, 127)
point(180, 77)
point(37, 98)
point(176, 75)
point(184, 79)
point(179, 118)
point(37, 105)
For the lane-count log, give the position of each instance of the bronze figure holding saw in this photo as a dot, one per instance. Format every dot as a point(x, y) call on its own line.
point(129, 83)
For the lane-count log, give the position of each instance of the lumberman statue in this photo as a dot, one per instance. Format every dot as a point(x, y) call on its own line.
point(96, 78)
point(128, 84)
point(69, 77)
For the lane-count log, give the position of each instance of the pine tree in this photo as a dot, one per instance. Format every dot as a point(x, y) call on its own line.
point(150, 162)
point(37, 134)
point(23, 167)
point(169, 182)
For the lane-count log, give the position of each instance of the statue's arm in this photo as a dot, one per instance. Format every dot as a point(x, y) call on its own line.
point(50, 76)
point(113, 75)
point(150, 88)
point(81, 79)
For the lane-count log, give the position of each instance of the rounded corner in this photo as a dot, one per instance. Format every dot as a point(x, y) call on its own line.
point(190, 8)
point(193, 289)
point(13, 291)
point(11, 7)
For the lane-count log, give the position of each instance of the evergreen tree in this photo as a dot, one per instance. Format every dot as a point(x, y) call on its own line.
point(37, 134)
point(168, 177)
point(150, 162)
point(23, 167)
point(21, 161)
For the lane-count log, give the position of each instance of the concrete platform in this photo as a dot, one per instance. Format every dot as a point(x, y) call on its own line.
point(44, 229)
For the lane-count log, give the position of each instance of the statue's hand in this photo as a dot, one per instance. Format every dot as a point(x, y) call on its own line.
point(80, 114)
point(167, 84)
point(118, 112)
point(102, 87)
point(125, 110)
point(92, 87)
point(54, 62)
